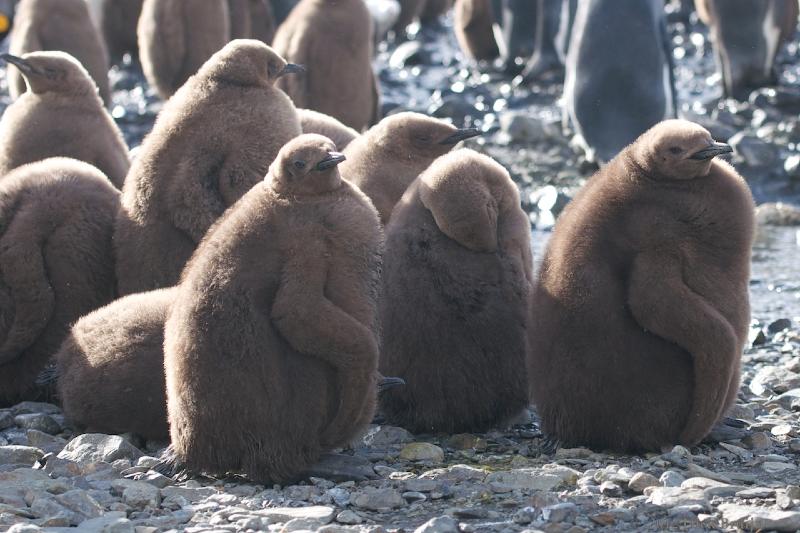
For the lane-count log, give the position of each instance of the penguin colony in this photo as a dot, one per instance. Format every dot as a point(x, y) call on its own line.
point(284, 261)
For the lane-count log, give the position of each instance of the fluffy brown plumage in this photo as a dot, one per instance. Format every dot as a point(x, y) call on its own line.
point(473, 21)
point(252, 19)
point(58, 25)
point(333, 40)
point(386, 159)
point(327, 126)
point(641, 307)
point(117, 20)
point(177, 37)
point(111, 367)
point(211, 142)
point(61, 115)
point(456, 283)
point(56, 261)
point(271, 347)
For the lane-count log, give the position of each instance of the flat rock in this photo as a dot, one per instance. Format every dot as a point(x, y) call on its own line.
point(276, 515)
point(24, 408)
point(96, 447)
point(757, 492)
point(339, 467)
point(378, 499)
point(44, 441)
point(456, 474)
point(136, 494)
point(759, 518)
point(6, 420)
point(382, 436)
point(191, 494)
point(19, 455)
point(422, 451)
point(39, 421)
point(526, 479)
point(642, 480)
point(676, 497)
point(440, 524)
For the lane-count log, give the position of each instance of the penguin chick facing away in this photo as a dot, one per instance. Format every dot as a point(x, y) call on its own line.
point(177, 37)
point(333, 40)
point(61, 115)
point(456, 282)
point(252, 19)
point(111, 367)
point(198, 161)
point(389, 156)
point(278, 305)
point(63, 25)
point(652, 258)
point(56, 262)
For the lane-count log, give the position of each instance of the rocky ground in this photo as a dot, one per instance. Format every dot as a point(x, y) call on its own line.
point(52, 478)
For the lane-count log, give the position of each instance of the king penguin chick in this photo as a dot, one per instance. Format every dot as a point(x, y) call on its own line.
point(333, 40)
point(56, 262)
point(211, 142)
point(176, 37)
point(61, 115)
point(386, 159)
point(278, 303)
point(327, 126)
point(63, 25)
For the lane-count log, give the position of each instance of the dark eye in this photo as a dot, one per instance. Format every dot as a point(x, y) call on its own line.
point(299, 165)
point(675, 150)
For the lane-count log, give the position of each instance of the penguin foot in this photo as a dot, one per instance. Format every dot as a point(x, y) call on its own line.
point(727, 430)
point(171, 466)
point(386, 383)
point(549, 445)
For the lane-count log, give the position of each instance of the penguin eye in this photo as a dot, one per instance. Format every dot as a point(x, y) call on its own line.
point(675, 150)
point(299, 165)
point(424, 138)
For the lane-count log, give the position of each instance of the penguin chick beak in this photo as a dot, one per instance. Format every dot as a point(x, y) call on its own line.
point(21, 64)
point(291, 68)
point(333, 159)
point(712, 151)
point(460, 135)
point(385, 384)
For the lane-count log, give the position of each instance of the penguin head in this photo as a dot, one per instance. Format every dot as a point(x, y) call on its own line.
point(52, 72)
point(677, 150)
point(416, 135)
point(306, 165)
point(468, 195)
point(248, 62)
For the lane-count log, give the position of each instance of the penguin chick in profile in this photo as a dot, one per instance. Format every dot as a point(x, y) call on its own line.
point(333, 40)
point(389, 156)
point(56, 262)
point(210, 144)
point(111, 367)
point(177, 36)
point(61, 115)
point(63, 25)
point(652, 259)
point(327, 126)
point(454, 307)
point(279, 304)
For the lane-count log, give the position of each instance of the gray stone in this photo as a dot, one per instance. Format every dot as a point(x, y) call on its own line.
point(561, 512)
point(778, 214)
point(526, 479)
point(45, 442)
point(440, 524)
point(711, 487)
point(24, 528)
point(609, 488)
point(456, 474)
point(349, 517)
point(96, 447)
point(757, 492)
point(642, 480)
point(46, 506)
point(412, 496)
point(381, 436)
point(753, 150)
point(377, 499)
point(670, 478)
point(24, 408)
point(19, 455)
point(6, 420)
point(521, 127)
point(191, 494)
point(81, 503)
point(422, 451)
point(38, 421)
point(759, 518)
point(157, 480)
point(676, 497)
point(137, 494)
point(302, 524)
point(276, 515)
point(339, 467)
point(776, 468)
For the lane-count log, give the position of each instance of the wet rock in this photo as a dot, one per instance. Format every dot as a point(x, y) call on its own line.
point(96, 447)
point(339, 467)
point(38, 421)
point(759, 518)
point(381, 436)
point(753, 150)
point(19, 455)
point(520, 127)
point(642, 480)
point(422, 451)
point(441, 524)
point(782, 323)
point(377, 499)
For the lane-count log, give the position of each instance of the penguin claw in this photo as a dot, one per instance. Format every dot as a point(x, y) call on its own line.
point(734, 422)
point(171, 466)
point(549, 445)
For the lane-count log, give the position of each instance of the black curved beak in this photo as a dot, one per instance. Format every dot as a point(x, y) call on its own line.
point(389, 383)
point(20, 63)
point(333, 159)
point(712, 151)
point(291, 68)
point(460, 135)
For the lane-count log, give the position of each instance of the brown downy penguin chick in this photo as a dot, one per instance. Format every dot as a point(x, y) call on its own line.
point(386, 159)
point(473, 21)
point(117, 20)
point(63, 25)
point(61, 115)
point(456, 283)
point(652, 260)
point(314, 122)
point(271, 346)
point(333, 40)
point(251, 19)
point(176, 37)
point(198, 161)
point(110, 367)
point(56, 261)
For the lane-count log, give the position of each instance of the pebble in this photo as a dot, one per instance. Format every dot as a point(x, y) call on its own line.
point(422, 451)
point(349, 517)
point(381, 436)
point(642, 480)
point(377, 499)
point(670, 478)
point(20, 455)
